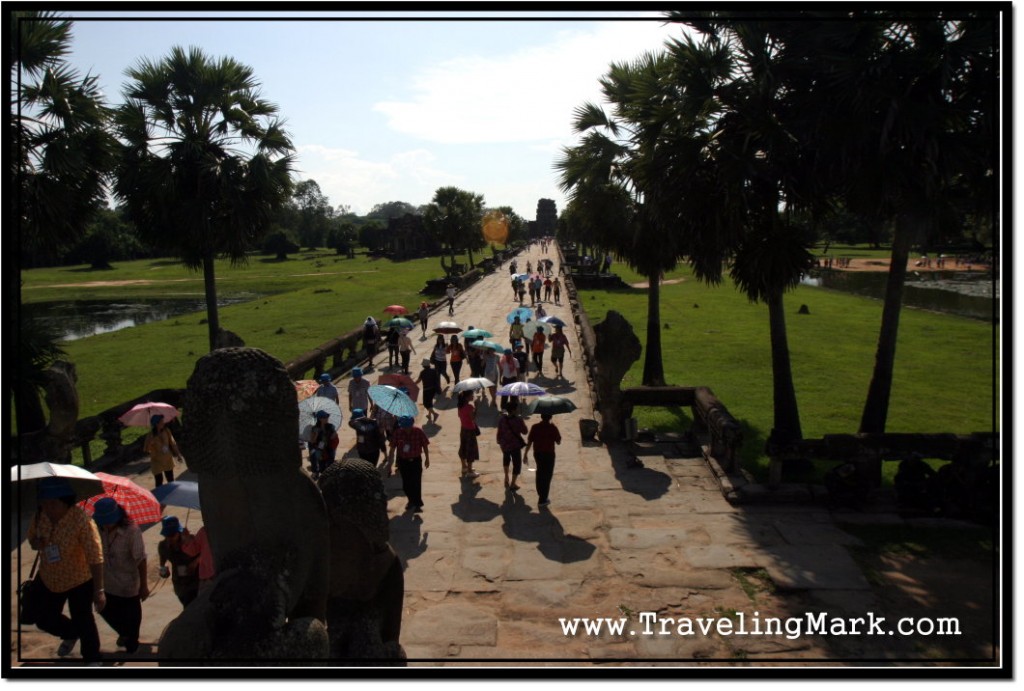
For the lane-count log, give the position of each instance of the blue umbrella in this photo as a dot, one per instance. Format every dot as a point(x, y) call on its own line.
point(400, 322)
point(553, 405)
point(392, 400)
point(524, 314)
point(179, 493)
point(521, 277)
point(554, 321)
point(474, 334)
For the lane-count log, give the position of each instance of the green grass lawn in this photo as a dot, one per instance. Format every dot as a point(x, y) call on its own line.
point(303, 302)
point(944, 379)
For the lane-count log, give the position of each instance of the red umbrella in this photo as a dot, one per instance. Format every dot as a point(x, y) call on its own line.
point(139, 503)
point(398, 380)
point(395, 309)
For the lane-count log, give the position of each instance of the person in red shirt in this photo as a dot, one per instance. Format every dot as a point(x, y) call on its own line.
point(409, 446)
point(469, 449)
point(559, 344)
point(198, 545)
point(537, 348)
point(542, 439)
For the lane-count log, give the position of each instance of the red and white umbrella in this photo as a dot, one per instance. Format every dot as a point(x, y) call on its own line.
point(395, 309)
point(138, 415)
point(304, 388)
point(139, 503)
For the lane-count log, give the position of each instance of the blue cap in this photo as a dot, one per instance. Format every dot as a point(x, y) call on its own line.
point(171, 526)
point(405, 421)
point(358, 412)
point(357, 371)
point(325, 377)
point(54, 488)
point(321, 414)
point(107, 512)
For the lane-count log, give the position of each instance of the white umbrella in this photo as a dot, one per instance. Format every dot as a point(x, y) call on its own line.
point(27, 477)
point(138, 415)
point(472, 384)
point(308, 409)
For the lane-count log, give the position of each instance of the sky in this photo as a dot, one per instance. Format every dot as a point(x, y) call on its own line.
point(390, 107)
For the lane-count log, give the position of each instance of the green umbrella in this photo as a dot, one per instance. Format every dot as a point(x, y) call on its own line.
point(552, 405)
point(400, 322)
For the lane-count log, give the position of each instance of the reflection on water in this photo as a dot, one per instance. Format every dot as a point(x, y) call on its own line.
point(77, 319)
point(964, 294)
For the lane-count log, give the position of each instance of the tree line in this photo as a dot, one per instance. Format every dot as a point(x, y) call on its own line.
point(738, 146)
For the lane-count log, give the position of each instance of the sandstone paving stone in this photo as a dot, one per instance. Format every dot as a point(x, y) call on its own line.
point(734, 529)
point(530, 563)
point(489, 561)
point(812, 567)
point(643, 538)
point(720, 557)
point(814, 534)
point(535, 597)
point(458, 623)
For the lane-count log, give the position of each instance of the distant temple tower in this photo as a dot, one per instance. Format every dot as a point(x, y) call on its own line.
point(547, 219)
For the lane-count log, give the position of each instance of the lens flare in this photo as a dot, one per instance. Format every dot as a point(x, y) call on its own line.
point(494, 227)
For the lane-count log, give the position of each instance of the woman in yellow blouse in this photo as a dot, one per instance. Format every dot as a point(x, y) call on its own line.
point(70, 567)
point(162, 450)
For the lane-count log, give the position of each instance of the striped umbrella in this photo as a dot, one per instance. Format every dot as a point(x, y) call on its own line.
point(139, 503)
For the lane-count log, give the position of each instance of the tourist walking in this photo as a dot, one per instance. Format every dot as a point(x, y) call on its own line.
point(392, 341)
point(358, 390)
point(70, 569)
point(198, 546)
point(457, 354)
point(405, 349)
point(327, 389)
point(438, 356)
point(410, 447)
point(511, 429)
point(125, 576)
point(183, 570)
point(542, 439)
point(515, 331)
point(424, 314)
point(371, 332)
point(537, 350)
point(430, 382)
point(469, 449)
point(450, 294)
point(508, 369)
point(559, 344)
point(557, 286)
point(162, 450)
point(370, 443)
point(323, 444)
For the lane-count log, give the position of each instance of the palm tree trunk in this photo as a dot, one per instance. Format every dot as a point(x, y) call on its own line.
point(876, 406)
point(209, 282)
point(654, 371)
point(787, 414)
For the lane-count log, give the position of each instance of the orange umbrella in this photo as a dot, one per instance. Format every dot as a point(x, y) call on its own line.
point(304, 388)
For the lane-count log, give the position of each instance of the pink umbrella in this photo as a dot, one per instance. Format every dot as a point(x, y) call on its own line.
point(395, 309)
point(138, 415)
point(139, 503)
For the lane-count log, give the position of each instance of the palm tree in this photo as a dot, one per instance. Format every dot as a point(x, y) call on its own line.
point(63, 149)
point(205, 164)
point(62, 153)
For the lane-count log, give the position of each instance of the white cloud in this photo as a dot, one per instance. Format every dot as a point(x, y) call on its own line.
point(522, 96)
point(348, 178)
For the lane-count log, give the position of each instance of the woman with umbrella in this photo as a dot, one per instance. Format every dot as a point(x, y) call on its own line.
point(469, 450)
point(537, 349)
point(491, 372)
point(183, 572)
point(323, 442)
point(511, 429)
point(70, 569)
point(162, 450)
point(125, 575)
